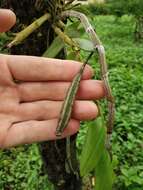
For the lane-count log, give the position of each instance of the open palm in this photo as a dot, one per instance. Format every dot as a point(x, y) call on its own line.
point(32, 90)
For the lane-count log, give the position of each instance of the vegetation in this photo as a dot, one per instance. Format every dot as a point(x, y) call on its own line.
point(120, 8)
point(125, 62)
point(20, 168)
point(61, 163)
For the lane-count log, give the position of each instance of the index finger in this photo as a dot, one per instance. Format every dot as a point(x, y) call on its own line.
point(30, 68)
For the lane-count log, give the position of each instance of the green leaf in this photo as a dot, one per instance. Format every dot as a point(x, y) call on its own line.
point(71, 55)
point(56, 46)
point(74, 30)
point(93, 147)
point(4, 36)
point(104, 173)
point(84, 44)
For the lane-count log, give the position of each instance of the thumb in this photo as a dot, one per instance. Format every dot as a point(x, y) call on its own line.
point(7, 19)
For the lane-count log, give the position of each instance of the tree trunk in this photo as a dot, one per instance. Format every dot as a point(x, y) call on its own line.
point(53, 152)
point(139, 28)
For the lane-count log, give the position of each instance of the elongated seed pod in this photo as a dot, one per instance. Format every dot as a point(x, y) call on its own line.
point(69, 100)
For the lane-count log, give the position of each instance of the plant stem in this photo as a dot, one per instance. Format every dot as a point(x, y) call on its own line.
point(66, 38)
point(103, 67)
point(61, 24)
point(21, 36)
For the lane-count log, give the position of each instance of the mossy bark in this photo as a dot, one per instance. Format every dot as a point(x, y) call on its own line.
point(54, 157)
point(139, 28)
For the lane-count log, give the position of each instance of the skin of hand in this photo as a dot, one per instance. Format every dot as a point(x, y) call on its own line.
point(31, 93)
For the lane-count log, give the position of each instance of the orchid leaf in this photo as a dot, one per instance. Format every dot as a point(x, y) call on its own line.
point(93, 147)
point(104, 173)
point(54, 48)
point(84, 44)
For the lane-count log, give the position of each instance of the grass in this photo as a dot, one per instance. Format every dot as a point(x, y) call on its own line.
point(20, 168)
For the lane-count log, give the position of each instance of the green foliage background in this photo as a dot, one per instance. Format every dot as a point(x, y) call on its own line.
point(125, 62)
point(21, 168)
point(118, 8)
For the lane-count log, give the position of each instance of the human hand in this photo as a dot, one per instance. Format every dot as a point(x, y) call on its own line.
point(30, 107)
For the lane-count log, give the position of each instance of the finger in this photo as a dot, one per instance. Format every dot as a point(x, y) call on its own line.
point(36, 131)
point(44, 110)
point(7, 19)
point(88, 90)
point(30, 68)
